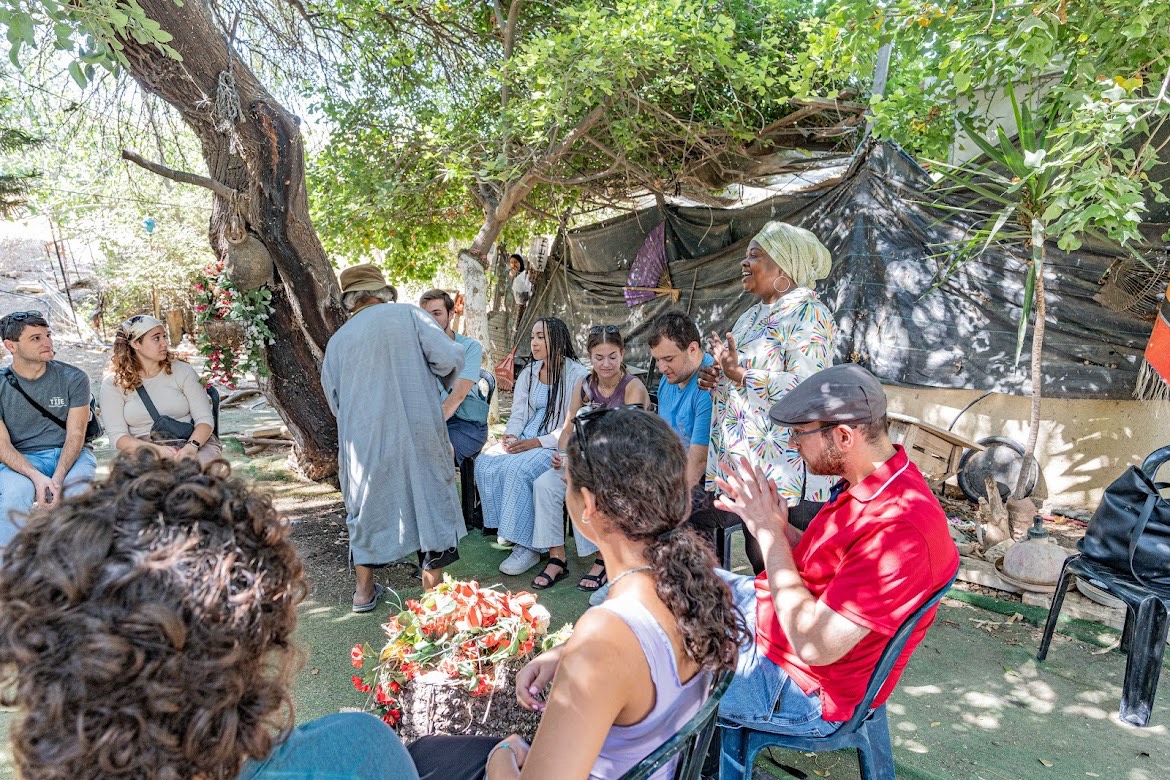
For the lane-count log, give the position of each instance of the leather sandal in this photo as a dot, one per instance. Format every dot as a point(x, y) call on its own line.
point(546, 579)
point(597, 580)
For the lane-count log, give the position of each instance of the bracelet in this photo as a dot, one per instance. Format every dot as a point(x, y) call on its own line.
point(504, 744)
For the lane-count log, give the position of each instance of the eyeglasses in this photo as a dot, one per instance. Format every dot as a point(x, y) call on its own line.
point(598, 329)
point(795, 434)
point(582, 421)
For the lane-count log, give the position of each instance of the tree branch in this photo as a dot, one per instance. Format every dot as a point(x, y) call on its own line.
point(219, 188)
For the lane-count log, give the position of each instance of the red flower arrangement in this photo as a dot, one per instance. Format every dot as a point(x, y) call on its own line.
point(460, 632)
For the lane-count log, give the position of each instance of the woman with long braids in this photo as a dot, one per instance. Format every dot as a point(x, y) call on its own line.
point(540, 405)
point(638, 666)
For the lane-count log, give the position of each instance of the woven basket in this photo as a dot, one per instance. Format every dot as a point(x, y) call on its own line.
point(435, 704)
point(228, 335)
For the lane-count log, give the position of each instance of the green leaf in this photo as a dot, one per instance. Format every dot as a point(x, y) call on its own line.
point(77, 74)
point(1026, 310)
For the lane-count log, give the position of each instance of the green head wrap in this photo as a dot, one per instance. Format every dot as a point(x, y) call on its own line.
point(798, 252)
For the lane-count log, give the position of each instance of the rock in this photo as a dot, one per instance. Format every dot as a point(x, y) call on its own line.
point(29, 289)
point(983, 573)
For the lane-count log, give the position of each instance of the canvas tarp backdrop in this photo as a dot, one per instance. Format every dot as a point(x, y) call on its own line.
point(885, 240)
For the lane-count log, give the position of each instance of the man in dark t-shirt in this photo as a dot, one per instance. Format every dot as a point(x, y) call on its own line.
point(41, 459)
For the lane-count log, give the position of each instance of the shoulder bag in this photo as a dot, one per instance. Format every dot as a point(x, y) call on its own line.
point(165, 428)
point(1130, 531)
point(93, 428)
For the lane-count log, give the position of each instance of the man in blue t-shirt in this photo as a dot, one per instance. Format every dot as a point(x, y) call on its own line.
point(465, 409)
point(674, 343)
point(42, 456)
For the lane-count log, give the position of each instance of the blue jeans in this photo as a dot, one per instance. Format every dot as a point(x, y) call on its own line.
point(16, 490)
point(762, 696)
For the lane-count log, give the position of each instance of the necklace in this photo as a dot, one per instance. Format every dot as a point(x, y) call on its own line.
point(618, 578)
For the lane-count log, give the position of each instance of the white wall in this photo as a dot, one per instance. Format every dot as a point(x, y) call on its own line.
point(1084, 444)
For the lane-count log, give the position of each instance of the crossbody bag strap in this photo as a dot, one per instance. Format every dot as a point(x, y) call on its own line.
point(149, 404)
point(1136, 534)
point(10, 375)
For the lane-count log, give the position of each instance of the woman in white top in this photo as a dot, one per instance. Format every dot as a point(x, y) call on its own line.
point(521, 285)
point(142, 359)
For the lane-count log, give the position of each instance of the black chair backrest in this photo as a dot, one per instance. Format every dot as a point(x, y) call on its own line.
point(889, 657)
point(213, 396)
point(691, 741)
point(486, 376)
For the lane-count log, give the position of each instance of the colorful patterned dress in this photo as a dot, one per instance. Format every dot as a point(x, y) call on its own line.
point(780, 344)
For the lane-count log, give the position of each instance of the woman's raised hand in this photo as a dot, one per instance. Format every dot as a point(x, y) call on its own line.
point(726, 356)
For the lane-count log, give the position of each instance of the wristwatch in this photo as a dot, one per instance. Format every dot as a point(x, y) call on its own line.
point(192, 441)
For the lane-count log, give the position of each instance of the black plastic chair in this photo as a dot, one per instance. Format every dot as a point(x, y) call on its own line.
point(468, 495)
point(1143, 640)
point(213, 396)
point(690, 742)
point(867, 730)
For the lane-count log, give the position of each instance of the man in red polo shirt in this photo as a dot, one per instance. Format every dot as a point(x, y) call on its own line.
point(829, 599)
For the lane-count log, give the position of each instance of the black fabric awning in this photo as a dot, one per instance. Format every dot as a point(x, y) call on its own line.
point(885, 239)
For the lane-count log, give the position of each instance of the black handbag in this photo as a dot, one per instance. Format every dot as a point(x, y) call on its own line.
point(1130, 531)
point(93, 428)
point(165, 429)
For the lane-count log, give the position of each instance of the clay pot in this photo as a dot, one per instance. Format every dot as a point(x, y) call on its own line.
point(1020, 513)
point(1036, 560)
point(248, 264)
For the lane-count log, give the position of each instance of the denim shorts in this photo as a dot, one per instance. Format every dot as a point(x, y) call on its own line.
point(762, 695)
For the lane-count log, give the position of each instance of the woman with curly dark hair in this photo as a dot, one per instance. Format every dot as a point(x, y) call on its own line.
point(639, 666)
point(146, 380)
point(146, 632)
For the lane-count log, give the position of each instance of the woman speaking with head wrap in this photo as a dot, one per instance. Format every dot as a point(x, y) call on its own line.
point(783, 339)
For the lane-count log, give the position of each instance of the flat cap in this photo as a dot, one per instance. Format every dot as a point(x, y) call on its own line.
point(845, 393)
point(366, 276)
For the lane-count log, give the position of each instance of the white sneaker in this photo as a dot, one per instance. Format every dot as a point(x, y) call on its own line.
point(521, 560)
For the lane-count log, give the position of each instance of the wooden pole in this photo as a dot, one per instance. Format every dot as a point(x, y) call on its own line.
point(61, 262)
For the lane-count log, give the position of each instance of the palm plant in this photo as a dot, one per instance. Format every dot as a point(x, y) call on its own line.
point(1065, 176)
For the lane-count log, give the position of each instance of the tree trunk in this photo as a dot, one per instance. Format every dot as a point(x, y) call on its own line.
point(498, 212)
point(1038, 256)
point(261, 156)
point(475, 299)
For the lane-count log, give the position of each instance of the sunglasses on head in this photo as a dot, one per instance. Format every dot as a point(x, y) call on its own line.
point(21, 316)
point(596, 329)
point(582, 422)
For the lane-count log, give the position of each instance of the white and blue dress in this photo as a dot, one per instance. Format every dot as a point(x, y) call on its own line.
point(505, 481)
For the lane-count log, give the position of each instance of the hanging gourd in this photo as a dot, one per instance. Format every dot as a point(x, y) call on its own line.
point(248, 265)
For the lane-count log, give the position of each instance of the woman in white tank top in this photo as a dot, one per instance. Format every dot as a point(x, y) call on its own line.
point(637, 667)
